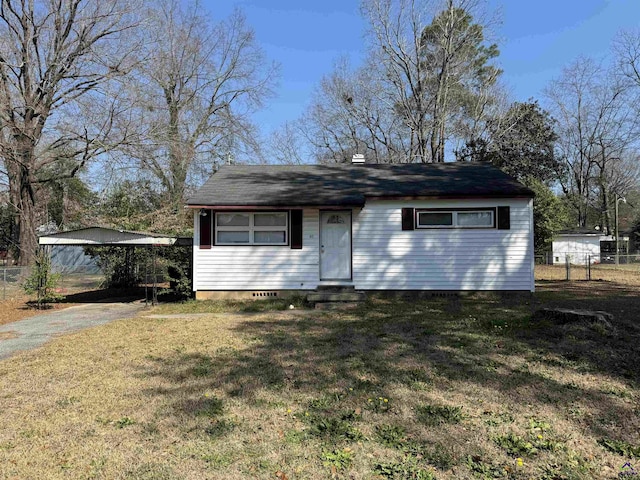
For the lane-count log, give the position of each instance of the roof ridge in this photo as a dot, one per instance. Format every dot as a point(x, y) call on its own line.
point(357, 165)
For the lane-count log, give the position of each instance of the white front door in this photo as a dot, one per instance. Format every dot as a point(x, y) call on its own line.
point(335, 245)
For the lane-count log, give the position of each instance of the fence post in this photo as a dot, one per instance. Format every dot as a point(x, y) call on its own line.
point(146, 279)
point(4, 284)
point(588, 267)
point(567, 267)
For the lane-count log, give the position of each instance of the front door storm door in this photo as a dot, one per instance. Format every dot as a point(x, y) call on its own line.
point(335, 245)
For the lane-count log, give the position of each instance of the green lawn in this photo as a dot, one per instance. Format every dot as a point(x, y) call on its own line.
point(446, 388)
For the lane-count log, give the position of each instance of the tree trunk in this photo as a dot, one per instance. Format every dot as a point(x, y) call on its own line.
point(27, 232)
point(604, 199)
point(23, 197)
point(177, 177)
point(582, 213)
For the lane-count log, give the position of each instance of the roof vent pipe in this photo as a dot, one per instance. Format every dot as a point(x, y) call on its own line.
point(357, 158)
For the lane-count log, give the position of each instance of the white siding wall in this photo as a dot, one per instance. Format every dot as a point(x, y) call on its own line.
point(385, 257)
point(259, 267)
point(577, 248)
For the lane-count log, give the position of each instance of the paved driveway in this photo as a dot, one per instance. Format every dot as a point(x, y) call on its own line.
point(35, 331)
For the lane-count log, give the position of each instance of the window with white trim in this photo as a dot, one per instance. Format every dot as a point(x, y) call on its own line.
point(455, 219)
point(252, 228)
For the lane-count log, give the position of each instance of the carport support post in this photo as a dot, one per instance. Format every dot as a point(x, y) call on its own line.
point(146, 280)
point(128, 255)
point(154, 299)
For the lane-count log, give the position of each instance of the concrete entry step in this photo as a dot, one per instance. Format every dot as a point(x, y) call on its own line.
point(335, 288)
point(318, 297)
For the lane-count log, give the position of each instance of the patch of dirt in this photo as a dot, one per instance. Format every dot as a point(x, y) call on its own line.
point(8, 335)
point(14, 309)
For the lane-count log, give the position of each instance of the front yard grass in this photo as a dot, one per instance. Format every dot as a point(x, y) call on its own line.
point(443, 388)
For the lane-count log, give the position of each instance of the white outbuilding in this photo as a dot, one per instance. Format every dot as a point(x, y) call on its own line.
point(578, 246)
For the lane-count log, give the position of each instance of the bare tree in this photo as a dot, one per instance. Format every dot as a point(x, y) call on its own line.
point(626, 48)
point(596, 128)
point(349, 114)
point(287, 145)
point(53, 54)
point(437, 62)
point(193, 92)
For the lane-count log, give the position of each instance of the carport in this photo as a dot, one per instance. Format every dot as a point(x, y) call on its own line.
point(108, 237)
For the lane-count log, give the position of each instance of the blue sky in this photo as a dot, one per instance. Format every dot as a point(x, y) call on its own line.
point(537, 39)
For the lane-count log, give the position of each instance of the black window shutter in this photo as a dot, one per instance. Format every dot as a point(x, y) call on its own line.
point(407, 219)
point(504, 218)
point(205, 228)
point(296, 229)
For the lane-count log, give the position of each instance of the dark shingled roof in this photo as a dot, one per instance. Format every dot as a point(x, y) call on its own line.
point(348, 184)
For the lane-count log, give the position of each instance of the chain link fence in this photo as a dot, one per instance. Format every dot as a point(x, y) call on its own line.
point(624, 269)
point(11, 279)
point(126, 272)
point(73, 279)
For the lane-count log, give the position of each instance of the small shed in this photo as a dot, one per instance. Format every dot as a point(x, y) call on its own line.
point(581, 245)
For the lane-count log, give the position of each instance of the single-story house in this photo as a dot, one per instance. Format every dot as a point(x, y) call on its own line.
point(580, 245)
point(271, 230)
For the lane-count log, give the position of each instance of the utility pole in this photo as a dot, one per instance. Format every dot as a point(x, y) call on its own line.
point(616, 221)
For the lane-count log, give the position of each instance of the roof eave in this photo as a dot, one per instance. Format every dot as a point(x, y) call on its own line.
point(334, 206)
point(337, 205)
point(449, 197)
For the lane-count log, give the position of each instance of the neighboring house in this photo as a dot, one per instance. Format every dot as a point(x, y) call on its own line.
point(582, 245)
point(270, 230)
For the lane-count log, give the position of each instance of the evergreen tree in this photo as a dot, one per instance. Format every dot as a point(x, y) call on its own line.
point(457, 71)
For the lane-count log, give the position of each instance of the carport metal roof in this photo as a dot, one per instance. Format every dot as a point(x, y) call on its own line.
point(101, 236)
point(112, 237)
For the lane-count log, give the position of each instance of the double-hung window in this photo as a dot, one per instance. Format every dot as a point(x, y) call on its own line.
point(252, 228)
point(455, 218)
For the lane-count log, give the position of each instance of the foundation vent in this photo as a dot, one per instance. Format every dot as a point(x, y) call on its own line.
point(264, 294)
point(443, 294)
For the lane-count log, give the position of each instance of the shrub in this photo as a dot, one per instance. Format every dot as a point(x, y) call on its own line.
point(42, 282)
